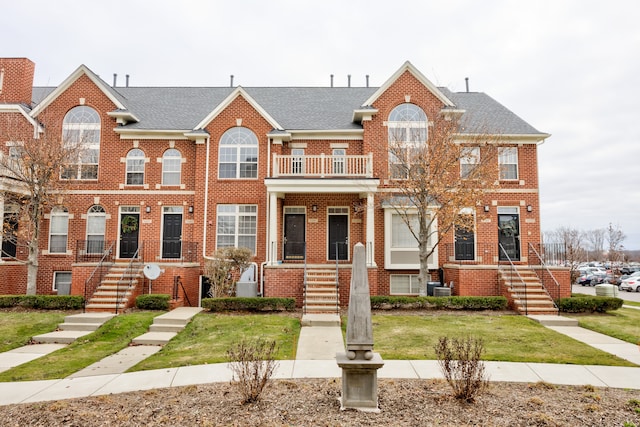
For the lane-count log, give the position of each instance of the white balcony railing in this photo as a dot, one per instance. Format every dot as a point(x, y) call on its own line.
point(323, 166)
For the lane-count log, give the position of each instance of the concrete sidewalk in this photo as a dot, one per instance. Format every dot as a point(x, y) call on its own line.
point(316, 359)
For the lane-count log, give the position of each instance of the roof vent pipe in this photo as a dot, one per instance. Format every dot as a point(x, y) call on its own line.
point(331, 80)
point(466, 82)
point(348, 80)
point(115, 79)
point(127, 81)
point(231, 81)
point(367, 78)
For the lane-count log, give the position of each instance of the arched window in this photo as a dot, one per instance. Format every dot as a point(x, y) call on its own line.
point(96, 221)
point(81, 131)
point(58, 230)
point(407, 132)
point(238, 154)
point(171, 167)
point(135, 167)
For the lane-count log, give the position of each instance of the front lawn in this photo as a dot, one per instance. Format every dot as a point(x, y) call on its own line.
point(623, 324)
point(17, 328)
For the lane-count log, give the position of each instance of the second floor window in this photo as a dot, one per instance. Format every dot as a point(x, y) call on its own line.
point(81, 131)
point(238, 154)
point(171, 167)
point(469, 159)
point(135, 167)
point(508, 162)
point(407, 133)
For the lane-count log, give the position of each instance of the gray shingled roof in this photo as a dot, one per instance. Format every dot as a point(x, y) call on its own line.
point(294, 108)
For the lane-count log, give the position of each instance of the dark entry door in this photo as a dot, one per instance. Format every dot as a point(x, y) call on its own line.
point(509, 236)
point(465, 242)
point(129, 229)
point(338, 236)
point(294, 236)
point(172, 236)
point(10, 234)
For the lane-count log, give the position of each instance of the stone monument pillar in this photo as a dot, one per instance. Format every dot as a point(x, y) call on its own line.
point(359, 364)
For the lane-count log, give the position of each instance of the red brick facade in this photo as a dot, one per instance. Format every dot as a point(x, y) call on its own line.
point(323, 202)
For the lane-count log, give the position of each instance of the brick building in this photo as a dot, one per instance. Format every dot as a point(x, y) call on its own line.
point(296, 174)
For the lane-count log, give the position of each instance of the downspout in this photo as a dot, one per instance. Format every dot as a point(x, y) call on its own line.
point(206, 203)
point(267, 246)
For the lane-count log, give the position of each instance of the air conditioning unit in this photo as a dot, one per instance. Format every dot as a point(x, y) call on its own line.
point(442, 292)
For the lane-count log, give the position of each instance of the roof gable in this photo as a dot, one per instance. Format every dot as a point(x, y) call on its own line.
point(408, 66)
point(79, 72)
point(239, 91)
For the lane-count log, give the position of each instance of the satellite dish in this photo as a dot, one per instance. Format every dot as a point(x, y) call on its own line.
point(151, 271)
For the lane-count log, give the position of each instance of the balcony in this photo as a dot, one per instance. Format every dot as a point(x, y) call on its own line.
point(322, 166)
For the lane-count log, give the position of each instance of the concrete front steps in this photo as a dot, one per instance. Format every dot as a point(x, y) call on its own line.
point(526, 292)
point(321, 294)
point(74, 327)
point(115, 291)
point(167, 326)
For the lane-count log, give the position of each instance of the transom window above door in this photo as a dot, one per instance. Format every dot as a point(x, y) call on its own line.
point(238, 154)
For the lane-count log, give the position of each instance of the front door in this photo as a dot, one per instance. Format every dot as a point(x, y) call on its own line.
point(172, 236)
point(294, 236)
point(509, 236)
point(338, 237)
point(465, 243)
point(129, 228)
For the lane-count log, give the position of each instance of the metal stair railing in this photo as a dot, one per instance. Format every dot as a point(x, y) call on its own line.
point(514, 269)
point(546, 268)
point(128, 271)
point(96, 276)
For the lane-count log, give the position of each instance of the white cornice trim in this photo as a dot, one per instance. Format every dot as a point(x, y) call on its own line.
point(280, 185)
point(153, 134)
point(80, 71)
point(408, 66)
point(239, 91)
point(350, 134)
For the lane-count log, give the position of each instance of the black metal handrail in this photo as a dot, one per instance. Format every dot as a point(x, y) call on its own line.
point(541, 277)
point(513, 269)
point(128, 272)
point(96, 276)
point(91, 250)
point(304, 280)
point(178, 283)
point(153, 252)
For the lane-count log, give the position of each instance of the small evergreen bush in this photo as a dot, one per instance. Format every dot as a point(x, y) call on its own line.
point(588, 304)
point(43, 302)
point(153, 302)
point(383, 302)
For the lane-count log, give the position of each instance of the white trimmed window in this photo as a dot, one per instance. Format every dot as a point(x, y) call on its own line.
point(407, 130)
point(400, 244)
point(469, 160)
point(297, 161)
point(81, 129)
point(238, 154)
point(338, 161)
point(61, 279)
point(135, 167)
point(508, 162)
point(404, 284)
point(237, 226)
point(58, 230)
point(96, 224)
point(171, 167)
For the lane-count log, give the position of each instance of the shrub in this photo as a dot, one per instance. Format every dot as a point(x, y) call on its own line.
point(153, 302)
point(439, 303)
point(462, 367)
point(588, 304)
point(43, 302)
point(249, 304)
point(252, 364)
point(221, 267)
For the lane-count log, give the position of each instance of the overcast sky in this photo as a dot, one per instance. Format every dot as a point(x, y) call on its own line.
point(570, 68)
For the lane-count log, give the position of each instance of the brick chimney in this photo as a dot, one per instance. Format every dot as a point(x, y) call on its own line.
point(16, 80)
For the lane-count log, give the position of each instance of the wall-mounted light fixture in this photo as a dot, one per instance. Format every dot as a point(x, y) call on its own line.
point(529, 208)
point(314, 208)
point(486, 208)
point(147, 209)
point(190, 209)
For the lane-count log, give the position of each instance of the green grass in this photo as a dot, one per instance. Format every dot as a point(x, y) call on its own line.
point(208, 336)
point(110, 338)
point(506, 338)
point(633, 303)
point(17, 328)
point(623, 324)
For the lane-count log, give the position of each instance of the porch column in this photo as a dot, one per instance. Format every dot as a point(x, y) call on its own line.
point(273, 228)
point(1, 218)
point(371, 234)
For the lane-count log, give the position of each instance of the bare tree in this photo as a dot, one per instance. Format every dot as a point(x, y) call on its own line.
point(435, 177)
point(30, 163)
point(572, 239)
point(614, 237)
point(596, 240)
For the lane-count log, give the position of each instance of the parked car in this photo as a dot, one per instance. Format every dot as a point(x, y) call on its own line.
point(590, 276)
point(631, 283)
point(628, 269)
